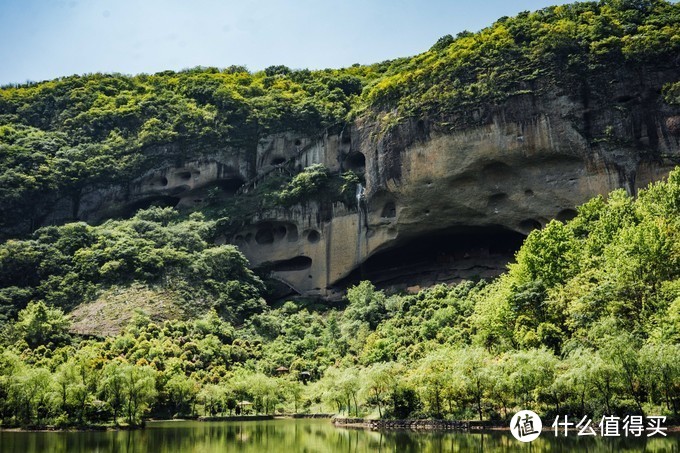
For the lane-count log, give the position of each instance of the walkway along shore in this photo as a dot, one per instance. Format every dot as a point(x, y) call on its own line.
point(451, 425)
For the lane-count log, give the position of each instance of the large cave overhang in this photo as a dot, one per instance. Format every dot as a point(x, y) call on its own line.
point(443, 256)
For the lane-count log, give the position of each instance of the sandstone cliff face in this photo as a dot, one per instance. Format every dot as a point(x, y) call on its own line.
point(445, 198)
point(445, 203)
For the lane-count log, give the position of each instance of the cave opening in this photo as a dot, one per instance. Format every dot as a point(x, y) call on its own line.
point(446, 256)
point(265, 235)
point(497, 199)
point(298, 263)
point(527, 225)
point(279, 232)
point(292, 232)
point(268, 233)
point(313, 236)
point(421, 130)
point(230, 186)
point(161, 181)
point(356, 162)
point(566, 215)
point(389, 211)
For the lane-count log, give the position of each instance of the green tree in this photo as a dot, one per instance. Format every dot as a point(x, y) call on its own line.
point(30, 394)
point(182, 391)
point(139, 391)
point(113, 385)
point(42, 325)
point(471, 369)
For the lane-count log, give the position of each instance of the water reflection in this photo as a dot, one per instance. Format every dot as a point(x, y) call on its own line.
point(308, 436)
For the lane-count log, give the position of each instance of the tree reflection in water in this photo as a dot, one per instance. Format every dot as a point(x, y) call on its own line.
point(309, 436)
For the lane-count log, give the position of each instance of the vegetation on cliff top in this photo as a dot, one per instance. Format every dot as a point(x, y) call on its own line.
point(58, 137)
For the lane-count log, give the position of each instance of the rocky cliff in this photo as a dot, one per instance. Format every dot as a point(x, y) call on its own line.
point(457, 153)
point(443, 198)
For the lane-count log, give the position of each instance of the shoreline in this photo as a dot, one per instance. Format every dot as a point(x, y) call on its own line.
point(423, 425)
point(106, 427)
point(414, 424)
point(468, 426)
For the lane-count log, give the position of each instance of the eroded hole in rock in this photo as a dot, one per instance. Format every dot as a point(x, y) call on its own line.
point(356, 162)
point(269, 232)
point(249, 237)
point(264, 235)
point(278, 160)
point(566, 214)
point(162, 182)
point(279, 232)
point(494, 170)
point(445, 256)
point(179, 191)
point(239, 240)
point(420, 127)
point(497, 199)
point(313, 236)
point(145, 203)
point(184, 175)
point(530, 225)
point(389, 211)
point(623, 99)
point(229, 186)
point(298, 142)
point(299, 263)
point(529, 193)
point(292, 233)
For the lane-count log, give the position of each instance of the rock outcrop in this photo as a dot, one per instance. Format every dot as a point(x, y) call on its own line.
point(445, 198)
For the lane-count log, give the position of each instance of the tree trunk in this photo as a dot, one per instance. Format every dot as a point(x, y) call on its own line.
point(479, 406)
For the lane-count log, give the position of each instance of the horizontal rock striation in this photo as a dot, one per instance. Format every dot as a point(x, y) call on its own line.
point(445, 196)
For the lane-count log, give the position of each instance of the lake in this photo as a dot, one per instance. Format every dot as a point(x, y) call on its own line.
point(306, 435)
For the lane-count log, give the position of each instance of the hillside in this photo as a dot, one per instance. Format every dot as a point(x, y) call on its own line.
point(476, 141)
point(488, 225)
point(587, 321)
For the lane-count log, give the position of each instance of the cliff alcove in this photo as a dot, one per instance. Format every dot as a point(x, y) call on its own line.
point(452, 255)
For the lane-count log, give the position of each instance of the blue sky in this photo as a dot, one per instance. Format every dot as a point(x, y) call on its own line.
point(43, 39)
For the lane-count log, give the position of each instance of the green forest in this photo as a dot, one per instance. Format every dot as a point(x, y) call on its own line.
point(585, 321)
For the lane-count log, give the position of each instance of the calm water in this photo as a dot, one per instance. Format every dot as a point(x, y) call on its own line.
point(304, 436)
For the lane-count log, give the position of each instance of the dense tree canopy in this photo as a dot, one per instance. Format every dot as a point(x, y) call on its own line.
point(69, 265)
point(586, 321)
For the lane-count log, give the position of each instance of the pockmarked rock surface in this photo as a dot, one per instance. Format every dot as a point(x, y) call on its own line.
point(443, 198)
